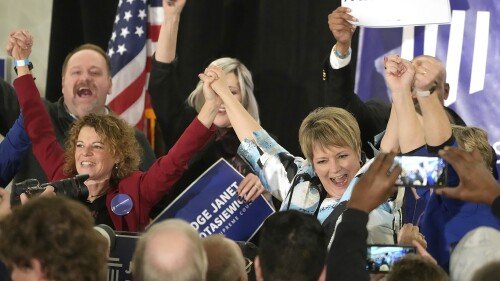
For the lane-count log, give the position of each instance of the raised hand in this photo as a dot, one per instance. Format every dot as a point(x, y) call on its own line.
point(428, 73)
point(209, 94)
point(167, 39)
point(219, 85)
point(173, 7)
point(19, 44)
point(399, 75)
point(341, 28)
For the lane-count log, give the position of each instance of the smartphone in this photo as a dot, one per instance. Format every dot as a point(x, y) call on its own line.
point(421, 171)
point(380, 258)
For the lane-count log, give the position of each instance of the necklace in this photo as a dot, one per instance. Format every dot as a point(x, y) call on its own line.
point(98, 195)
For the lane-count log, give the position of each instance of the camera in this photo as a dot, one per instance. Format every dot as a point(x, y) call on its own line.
point(421, 171)
point(380, 258)
point(72, 187)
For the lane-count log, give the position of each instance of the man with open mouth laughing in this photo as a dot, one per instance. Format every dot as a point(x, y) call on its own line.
point(86, 82)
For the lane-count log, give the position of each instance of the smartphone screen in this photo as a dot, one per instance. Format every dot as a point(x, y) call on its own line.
point(380, 258)
point(421, 171)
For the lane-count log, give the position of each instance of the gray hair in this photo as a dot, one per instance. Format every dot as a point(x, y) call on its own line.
point(144, 267)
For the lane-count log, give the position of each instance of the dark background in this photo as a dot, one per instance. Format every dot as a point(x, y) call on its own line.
point(283, 42)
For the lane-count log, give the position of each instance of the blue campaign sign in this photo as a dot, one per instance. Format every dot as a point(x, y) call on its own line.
point(120, 257)
point(210, 205)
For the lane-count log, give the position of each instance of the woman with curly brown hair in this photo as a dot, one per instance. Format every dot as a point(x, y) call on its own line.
point(104, 147)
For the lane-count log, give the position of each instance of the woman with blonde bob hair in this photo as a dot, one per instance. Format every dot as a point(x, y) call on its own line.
point(319, 185)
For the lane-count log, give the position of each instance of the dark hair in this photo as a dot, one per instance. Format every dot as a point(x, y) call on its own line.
point(292, 246)
point(90, 47)
point(59, 233)
point(414, 267)
point(489, 272)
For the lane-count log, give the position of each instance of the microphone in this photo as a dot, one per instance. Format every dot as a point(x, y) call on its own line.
point(108, 233)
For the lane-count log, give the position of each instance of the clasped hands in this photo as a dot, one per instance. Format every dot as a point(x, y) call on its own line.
point(422, 73)
point(19, 44)
point(214, 82)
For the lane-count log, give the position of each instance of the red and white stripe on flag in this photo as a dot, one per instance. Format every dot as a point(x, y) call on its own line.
point(132, 43)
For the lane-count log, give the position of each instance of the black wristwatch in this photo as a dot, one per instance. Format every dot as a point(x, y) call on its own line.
point(23, 63)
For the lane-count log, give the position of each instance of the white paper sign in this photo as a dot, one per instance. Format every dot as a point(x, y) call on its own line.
point(395, 13)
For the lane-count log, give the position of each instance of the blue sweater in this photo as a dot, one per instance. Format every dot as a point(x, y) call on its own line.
point(13, 149)
point(445, 221)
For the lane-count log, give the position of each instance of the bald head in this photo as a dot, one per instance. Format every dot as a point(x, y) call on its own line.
point(170, 250)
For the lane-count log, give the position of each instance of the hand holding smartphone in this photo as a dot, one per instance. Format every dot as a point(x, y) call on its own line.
point(421, 171)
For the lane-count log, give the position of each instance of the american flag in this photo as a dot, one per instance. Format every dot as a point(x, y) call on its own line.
point(133, 41)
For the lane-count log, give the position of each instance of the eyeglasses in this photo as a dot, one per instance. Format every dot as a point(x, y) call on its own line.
point(248, 265)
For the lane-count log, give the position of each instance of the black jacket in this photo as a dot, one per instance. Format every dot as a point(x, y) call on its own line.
point(348, 254)
point(372, 116)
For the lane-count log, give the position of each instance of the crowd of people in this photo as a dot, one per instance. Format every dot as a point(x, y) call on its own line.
point(331, 203)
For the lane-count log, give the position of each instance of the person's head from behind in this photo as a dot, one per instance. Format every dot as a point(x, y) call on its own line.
point(239, 80)
point(489, 272)
point(330, 138)
point(225, 259)
point(474, 252)
point(53, 238)
point(102, 146)
point(414, 267)
point(471, 138)
point(86, 80)
point(170, 250)
point(292, 247)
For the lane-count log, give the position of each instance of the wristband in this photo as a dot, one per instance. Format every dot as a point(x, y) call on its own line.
point(423, 93)
point(339, 55)
point(23, 62)
point(427, 92)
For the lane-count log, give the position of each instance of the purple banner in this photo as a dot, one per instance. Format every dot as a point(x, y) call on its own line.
point(470, 49)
